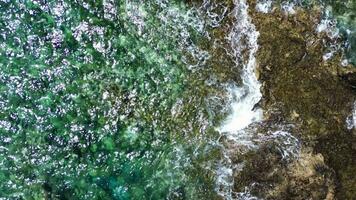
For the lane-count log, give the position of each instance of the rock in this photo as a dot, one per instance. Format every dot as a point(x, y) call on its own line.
point(315, 95)
point(349, 75)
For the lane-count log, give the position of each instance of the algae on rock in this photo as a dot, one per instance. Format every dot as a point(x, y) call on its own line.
point(303, 89)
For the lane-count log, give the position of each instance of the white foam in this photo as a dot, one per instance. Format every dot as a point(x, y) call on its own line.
point(224, 180)
point(344, 62)
point(244, 36)
point(264, 6)
point(328, 55)
point(287, 145)
point(328, 26)
point(323, 25)
point(351, 120)
point(288, 7)
point(215, 13)
point(110, 9)
point(246, 194)
point(137, 15)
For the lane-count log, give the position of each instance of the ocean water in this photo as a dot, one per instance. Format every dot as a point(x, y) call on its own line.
point(94, 101)
point(117, 99)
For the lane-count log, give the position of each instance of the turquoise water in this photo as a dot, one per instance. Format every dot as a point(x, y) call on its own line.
point(345, 15)
point(87, 96)
point(109, 100)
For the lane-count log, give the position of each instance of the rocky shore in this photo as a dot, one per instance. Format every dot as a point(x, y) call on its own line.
point(316, 96)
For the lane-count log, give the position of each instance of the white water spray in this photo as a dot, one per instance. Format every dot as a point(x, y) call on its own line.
point(351, 120)
point(243, 38)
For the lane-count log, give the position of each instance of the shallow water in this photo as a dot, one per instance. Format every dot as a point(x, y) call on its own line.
point(91, 100)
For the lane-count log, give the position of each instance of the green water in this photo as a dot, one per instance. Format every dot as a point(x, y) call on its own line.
point(345, 14)
point(87, 99)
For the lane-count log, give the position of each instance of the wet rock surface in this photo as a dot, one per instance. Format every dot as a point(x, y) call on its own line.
point(316, 96)
point(277, 165)
point(303, 148)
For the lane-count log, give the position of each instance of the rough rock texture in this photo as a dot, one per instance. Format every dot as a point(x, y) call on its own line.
point(301, 91)
point(316, 95)
point(279, 166)
point(305, 178)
